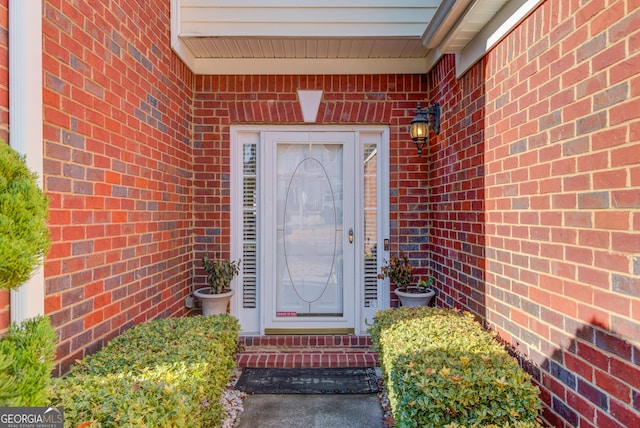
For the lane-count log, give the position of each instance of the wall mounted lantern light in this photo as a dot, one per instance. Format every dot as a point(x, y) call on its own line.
point(426, 119)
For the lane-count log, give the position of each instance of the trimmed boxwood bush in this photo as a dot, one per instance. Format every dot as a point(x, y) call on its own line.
point(442, 369)
point(164, 373)
point(24, 233)
point(27, 355)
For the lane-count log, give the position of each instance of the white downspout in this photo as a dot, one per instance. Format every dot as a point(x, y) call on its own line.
point(26, 122)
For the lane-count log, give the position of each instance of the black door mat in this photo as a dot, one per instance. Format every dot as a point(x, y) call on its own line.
point(359, 380)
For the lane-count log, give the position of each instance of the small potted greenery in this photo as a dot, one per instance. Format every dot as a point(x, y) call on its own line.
point(215, 298)
point(399, 269)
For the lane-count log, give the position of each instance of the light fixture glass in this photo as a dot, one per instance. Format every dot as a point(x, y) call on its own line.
point(427, 119)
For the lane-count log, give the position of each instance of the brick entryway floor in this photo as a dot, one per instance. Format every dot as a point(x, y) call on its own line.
point(306, 351)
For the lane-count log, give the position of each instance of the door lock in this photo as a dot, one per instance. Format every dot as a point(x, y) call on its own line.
point(350, 235)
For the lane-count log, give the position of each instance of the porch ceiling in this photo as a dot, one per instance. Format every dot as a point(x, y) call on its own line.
point(323, 36)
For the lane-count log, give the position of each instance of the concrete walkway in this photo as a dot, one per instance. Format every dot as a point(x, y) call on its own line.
point(311, 411)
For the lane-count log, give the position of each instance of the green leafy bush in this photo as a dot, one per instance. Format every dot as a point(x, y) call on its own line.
point(164, 373)
point(27, 355)
point(442, 369)
point(24, 234)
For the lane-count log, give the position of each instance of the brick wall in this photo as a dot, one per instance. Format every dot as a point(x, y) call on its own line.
point(561, 119)
point(118, 169)
point(4, 126)
point(376, 99)
point(456, 188)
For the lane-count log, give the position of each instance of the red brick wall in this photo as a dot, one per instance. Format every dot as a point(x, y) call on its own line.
point(456, 189)
point(4, 126)
point(562, 196)
point(118, 169)
point(377, 99)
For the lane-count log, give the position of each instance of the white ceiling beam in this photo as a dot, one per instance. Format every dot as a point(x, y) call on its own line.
point(292, 66)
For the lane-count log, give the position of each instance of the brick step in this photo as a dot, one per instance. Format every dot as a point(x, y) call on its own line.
point(306, 351)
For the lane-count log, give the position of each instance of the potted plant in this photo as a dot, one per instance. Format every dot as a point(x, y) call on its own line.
point(400, 271)
point(215, 298)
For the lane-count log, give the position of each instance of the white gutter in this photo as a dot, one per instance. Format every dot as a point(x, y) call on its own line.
point(443, 21)
point(26, 122)
point(503, 22)
point(455, 20)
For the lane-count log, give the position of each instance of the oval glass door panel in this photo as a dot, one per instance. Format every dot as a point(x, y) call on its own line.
point(309, 231)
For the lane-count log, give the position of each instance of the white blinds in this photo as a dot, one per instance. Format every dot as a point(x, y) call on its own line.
point(249, 227)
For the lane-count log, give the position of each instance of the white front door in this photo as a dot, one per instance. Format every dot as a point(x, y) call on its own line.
point(310, 245)
point(309, 214)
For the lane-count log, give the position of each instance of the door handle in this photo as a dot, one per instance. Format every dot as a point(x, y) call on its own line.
point(350, 235)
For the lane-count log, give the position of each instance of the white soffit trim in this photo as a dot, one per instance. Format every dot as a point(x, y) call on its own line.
point(309, 103)
point(307, 18)
point(178, 45)
point(432, 58)
point(507, 18)
point(240, 37)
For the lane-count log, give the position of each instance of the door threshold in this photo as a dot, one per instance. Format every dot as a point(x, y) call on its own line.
point(307, 331)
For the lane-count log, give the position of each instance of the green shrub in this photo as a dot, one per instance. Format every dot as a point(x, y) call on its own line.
point(164, 373)
point(442, 369)
point(24, 234)
point(27, 355)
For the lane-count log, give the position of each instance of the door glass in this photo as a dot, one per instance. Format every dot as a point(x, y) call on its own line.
point(309, 271)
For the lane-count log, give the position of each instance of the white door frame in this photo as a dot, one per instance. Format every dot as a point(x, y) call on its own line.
point(253, 319)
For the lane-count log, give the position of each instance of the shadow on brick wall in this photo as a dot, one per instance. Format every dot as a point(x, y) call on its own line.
point(592, 381)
